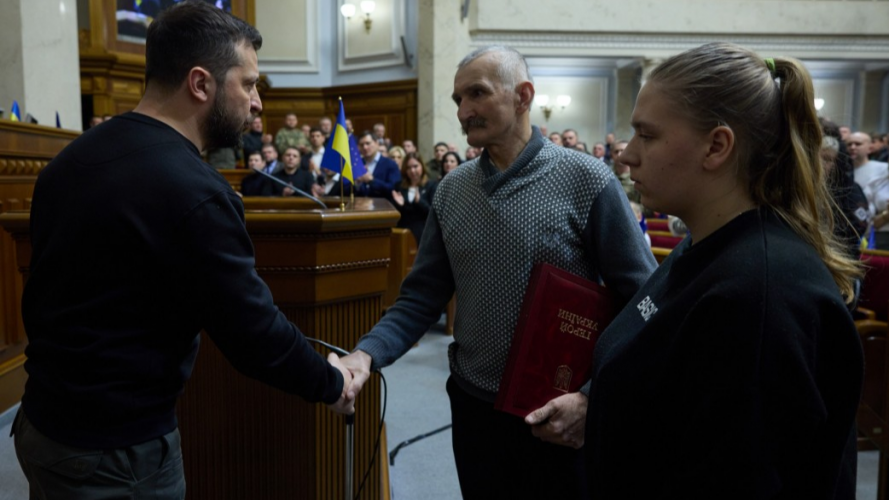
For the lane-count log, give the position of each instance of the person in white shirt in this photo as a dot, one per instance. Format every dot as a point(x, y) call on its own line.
point(312, 160)
point(873, 177)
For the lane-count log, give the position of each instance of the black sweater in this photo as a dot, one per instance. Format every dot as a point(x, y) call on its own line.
point(734, 373)
point(137, 246)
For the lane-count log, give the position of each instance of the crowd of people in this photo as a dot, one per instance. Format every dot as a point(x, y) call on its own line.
point(856, 163)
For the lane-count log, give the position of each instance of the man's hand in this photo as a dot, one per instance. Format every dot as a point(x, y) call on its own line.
point(318, 190)
point(287, 192)
point(366, 178)
point(562, 421)
point(359, 364)
point(345, 404)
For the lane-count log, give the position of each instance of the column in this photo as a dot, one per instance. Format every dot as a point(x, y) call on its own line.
point(443, 41)
point(39, 60)
point(627, 89)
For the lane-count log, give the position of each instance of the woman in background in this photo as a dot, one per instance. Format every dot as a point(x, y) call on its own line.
point(396, 154)
point(449, 162)
point(735, 372)
point(414, 195)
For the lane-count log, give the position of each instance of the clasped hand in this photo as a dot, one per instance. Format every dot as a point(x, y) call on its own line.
point(345, 404)
point(356, 370)
point(561, 421)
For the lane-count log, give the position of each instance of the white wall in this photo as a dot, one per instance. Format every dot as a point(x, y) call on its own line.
point(40, 60)
point(307, 43)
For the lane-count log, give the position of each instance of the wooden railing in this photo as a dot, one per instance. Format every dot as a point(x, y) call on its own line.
point(24, 150)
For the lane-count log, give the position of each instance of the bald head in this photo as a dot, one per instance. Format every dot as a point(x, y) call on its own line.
point(858, 144)
point(512, 69)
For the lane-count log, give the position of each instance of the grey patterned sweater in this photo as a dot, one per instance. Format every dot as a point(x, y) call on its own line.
point(485, 232)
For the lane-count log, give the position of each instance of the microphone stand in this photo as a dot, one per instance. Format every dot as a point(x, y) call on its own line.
point(296, 189)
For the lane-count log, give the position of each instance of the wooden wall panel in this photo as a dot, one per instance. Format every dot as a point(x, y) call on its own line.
point(113, 71)
point(24, 150)
point(392, 103)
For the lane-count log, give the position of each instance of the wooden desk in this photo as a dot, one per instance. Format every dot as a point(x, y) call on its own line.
point(328, 272)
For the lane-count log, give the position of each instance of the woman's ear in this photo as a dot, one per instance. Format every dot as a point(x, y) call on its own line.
point(722, 145)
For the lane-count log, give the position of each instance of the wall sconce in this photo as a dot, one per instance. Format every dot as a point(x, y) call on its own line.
point(367, 7)
point(542, 100)
point(819, 103)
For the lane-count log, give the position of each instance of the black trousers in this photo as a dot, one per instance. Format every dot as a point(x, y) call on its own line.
point(148, 471)
point(498, 457)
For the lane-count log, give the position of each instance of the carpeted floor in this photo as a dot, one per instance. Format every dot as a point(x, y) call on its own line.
point(417, 404)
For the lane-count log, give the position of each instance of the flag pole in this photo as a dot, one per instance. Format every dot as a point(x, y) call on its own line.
point(342, 174)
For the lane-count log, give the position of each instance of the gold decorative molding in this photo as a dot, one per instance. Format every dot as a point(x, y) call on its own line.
point(342, 266)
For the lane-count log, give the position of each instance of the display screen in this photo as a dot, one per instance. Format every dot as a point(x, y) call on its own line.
point(134, 16)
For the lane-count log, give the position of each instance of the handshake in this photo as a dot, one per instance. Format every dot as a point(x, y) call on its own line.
point(356, 370)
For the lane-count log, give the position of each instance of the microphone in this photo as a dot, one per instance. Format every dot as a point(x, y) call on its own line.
point(298, 190)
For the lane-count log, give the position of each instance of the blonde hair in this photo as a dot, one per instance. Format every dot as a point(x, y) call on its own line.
point(769, 106)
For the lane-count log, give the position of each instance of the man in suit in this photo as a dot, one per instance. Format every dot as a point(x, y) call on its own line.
point(270, 156)
point(382, 173)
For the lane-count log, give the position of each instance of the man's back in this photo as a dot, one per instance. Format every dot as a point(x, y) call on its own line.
point(137, 245)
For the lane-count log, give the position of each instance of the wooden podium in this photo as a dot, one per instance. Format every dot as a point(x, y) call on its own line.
point(327, 271)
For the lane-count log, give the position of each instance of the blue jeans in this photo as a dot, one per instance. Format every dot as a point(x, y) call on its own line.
point(150, 470)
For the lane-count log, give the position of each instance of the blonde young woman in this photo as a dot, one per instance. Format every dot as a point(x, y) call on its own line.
point(396, 154)
point(735, 371)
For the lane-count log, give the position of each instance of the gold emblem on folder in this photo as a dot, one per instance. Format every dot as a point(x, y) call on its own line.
point(563, 378)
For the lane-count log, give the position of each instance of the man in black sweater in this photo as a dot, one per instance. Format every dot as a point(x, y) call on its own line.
point(137, 246)
point(292, 174)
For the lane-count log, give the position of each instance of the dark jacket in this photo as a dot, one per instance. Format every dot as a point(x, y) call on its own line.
point(734, 373)
point(413, 214)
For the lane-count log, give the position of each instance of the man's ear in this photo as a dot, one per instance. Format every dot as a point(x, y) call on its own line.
point(525, 92)
point(721, 147)
point(200, 83)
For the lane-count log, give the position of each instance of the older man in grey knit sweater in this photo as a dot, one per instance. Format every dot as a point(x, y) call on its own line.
point(523, 201)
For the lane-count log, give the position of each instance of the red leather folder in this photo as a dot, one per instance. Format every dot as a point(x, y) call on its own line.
point(552, 347)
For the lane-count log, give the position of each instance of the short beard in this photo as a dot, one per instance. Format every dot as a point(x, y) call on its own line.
point(471, 123)
point(221, 129)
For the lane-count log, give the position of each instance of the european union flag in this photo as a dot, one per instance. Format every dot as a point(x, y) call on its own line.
point(341, 151)
point(16, 112)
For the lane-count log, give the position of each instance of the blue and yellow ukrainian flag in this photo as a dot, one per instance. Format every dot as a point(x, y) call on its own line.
point(16, 115)
point(343, 151)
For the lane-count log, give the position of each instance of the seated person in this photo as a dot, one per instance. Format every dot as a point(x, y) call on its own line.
point(382, 173)
point(256, 184)
point(414, 195)
point(292, 174)
point(270, 156)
